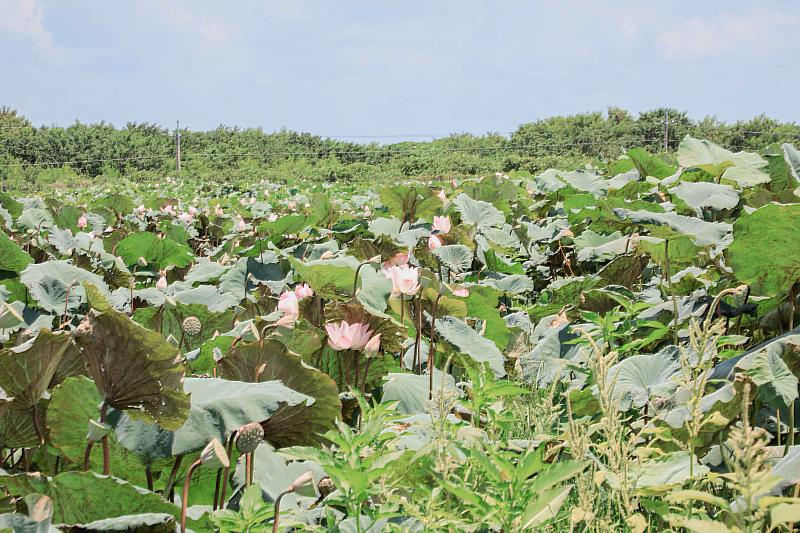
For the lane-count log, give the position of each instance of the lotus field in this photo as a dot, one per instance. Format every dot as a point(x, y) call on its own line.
point(605, 349)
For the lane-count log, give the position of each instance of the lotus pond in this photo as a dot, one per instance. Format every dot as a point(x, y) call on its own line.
point(604, 349)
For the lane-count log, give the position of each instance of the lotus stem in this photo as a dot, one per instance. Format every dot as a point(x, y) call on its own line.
point(248, 463)
point(185, 495)
point(225, 472)
point(355, 280)
point(106, 451)
point(366, 373)
point(355, 362)
point(417, 348)
point(739, 318)
point(790, 436)
point(431, 348)
point(672, 293)
point(169, 489)
point(87, 455)
point(278, 510)
point(148, 473)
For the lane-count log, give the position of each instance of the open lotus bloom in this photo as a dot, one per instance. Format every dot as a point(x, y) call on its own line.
point(405, 279)
point(288, 304)
point(345, 336)
point(442, 224)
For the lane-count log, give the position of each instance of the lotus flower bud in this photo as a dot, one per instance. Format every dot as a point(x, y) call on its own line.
point(442, 224)
point(373, 346)
point(303, 291)
point(304, 485)
point(192, 326)
point(142, 262)
point(286, 321)
point(82, 222)
point(162, 284)
point(327, 254)
point(434, 242)
point(249, 437)
point(214, 456)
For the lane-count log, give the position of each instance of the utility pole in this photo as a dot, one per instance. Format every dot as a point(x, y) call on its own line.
point(666, 130)
point(178, 147)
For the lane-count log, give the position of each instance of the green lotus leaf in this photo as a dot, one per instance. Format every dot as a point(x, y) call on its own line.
point(478, 213)
point(270, 360)
point(26, 370)
point(58, 285)
point(639, 379)
point(219, 407)
point(411, 391)
point(702, 195)
point(745, 168)
point(456, 257)
point(328, 277)
point(765, 252)
point(134, 368)
point(159, 253)
point(12, 257)
point(469, 342)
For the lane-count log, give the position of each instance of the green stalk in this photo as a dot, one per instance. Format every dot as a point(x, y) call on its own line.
point(672, 292)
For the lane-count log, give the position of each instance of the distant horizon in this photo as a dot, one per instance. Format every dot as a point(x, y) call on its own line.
point(352, 69)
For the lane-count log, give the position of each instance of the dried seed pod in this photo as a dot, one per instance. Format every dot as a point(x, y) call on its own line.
point(192, 326)
point(249, 437)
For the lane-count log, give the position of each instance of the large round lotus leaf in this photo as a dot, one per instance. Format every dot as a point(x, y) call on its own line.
point(327, 276)
point(745, 168)
point(482, 303)
point(293, 423)
point(242, 278)
point(409, 202)
point(641, 378)
point(765, 252)
point(85, 497)
point(703, 195)
point(12, 257)
point(168, 320)
point(56, 284)
point(468, 341)
point(159, 253)
point(26, 370)
point(72, 405)
point(478, 213)
point(456, 257)
point(512, 284)
point(18, 429)
point(274, 474)
point(411, 391)
point(703, 233)
point(219, 407)
point(133, 367)
point(141, 523)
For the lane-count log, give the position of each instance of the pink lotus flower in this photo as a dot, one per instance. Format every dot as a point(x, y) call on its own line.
point(240, 224)
point(434, 242)
point(442, 196)
point(397, 259)
point(291, 206)
point(168, 210)
point(140, 210)
point(161, 284)
point(372, 346)
point(462, 292)
point(218, 211)
point(286, 321)
point(405, 279)
point(192, 210)
point(288, 304)
point(186, 218)
point(272, 217)
point(442, 224)
point(344, 336)
point(82, 222)
point(303, 291)
point(327, 254)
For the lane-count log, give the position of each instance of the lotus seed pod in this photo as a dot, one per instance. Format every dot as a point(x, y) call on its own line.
point(192, 326)
point(326, 486)
point(214, 456)
point(97, 431)
point(249, 437)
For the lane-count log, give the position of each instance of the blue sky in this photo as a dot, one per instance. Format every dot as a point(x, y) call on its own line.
point(393, 67)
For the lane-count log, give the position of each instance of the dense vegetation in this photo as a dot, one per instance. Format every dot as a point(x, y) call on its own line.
point(610, 348)
point(32, 157)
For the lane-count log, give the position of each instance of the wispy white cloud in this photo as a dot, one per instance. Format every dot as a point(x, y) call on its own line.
point(751, 32)
point(25, 18)
point(187, 18)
